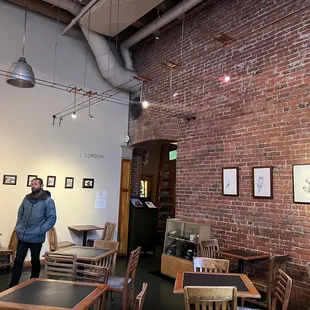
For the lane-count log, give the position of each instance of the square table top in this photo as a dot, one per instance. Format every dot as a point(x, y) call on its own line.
point(243, 254)
point(245, 287)
point(84, 253)
point(85, 227)
point(44, 294)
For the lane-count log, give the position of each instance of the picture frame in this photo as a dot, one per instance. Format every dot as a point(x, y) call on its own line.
point(230, 181)
point(69, 182)
point(9, 179)
point(301, 185)
point(30, 178)
point(88, 183)
point(262, 182)
point(51, 181)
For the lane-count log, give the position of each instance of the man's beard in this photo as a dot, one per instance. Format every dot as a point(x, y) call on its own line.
point(35, 191)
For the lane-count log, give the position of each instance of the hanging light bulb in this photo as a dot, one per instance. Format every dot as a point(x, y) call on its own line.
point(175, 94)
point(225, 78)
point(92, 117)
point(20, 73)
point(73, 115)
point(145, 104)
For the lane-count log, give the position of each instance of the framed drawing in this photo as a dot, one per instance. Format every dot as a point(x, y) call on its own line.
point(230, 181)
point(69, 182)
point(30, 178)
point(88, 183)
point(301, 183)
point(51, 181)
point(9, 179)
point(262, 182)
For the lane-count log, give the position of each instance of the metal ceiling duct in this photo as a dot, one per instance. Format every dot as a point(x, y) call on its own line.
point(109, 66)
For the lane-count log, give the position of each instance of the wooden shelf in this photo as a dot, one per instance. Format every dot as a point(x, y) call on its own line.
point(183, 240)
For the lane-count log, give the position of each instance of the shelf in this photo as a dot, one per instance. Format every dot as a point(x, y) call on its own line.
point(183, 240)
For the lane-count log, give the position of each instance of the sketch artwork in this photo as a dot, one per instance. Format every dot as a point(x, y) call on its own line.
point(262, 182)
point(230, 181)
point(301, 183)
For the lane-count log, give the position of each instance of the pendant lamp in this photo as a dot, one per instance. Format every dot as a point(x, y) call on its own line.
point(20, 73)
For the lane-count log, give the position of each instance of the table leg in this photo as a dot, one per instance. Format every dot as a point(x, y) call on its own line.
point(240, 265)
point(84, 238)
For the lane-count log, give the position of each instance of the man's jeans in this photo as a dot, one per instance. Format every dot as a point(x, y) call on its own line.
point(22, 249)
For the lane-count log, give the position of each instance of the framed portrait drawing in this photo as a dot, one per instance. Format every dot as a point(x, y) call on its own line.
point(51, 181)
point(69, 182)
point(30, 178)
point(88, 183)
point(262, 182)
point(230, 181)
point(9, 179)
point(301, 183)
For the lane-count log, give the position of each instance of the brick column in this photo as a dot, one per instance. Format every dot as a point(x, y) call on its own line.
point(136, 170)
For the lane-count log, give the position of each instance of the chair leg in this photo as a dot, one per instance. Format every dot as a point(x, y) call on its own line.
point(112, 298)
point(242, 302)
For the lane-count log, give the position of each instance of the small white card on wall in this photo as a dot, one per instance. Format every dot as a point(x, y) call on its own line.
point(100, 203)
point(97, 195)
point(104, 194)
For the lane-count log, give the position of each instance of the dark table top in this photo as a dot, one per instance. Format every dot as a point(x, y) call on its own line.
point(85, 227)
point(86, 253)
point(243, 254)
point(245, 287)
point(53, 294)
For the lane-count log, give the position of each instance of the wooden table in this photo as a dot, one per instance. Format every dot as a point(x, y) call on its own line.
point(242, 255)
point(43, 294)
point(85, 229)
point(245, 287)
point(87, 254)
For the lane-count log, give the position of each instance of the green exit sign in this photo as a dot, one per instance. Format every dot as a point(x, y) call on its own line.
point(173, 155)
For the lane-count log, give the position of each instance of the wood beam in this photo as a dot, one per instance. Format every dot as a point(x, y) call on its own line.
point(46, 9)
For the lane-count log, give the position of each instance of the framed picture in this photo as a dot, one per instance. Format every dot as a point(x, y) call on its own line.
point(9, 179)
point(230, 181)
point(262, 182)
point(69, 182)
point(88, 183)
point(301, 183)
point(51, 181)
point(30, 178)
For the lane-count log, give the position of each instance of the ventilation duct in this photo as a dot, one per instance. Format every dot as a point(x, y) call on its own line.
point(109, 66)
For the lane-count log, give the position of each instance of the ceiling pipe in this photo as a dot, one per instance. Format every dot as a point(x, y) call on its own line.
point(83, 11)
point(109, 66)
point(165, 19)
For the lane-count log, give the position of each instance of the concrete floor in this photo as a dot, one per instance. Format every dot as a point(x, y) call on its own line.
point(159, 294)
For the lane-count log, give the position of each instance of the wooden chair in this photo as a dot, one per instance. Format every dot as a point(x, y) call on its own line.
point(207, 248)
point(108, 245)
point(140, 298)
point(108, 232)
point(210, 297)
point(60, 266)
point(203, 264)
point(9, 251)
point(308, 268)
point(126, 285)
point(267, 284)
point(281, 293)
point(53, 243)
point(91, 273)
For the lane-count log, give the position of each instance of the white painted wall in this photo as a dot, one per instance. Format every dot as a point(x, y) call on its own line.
point(31, 145)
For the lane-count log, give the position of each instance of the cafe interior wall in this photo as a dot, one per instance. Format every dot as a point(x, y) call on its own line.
point(30, 145)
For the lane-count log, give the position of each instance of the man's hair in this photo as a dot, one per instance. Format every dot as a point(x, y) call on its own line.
point(38, 179)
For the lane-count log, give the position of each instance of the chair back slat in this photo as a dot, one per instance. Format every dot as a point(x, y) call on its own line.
point(209, 297)
point(13, 241)
point(282, 291)
point(60, 265)
point(108, 232)
point(108, 245)
point(203, 264)
point(276, 262)
point(91, 273)
point(207, 248)
point(52, 240)
point(139, 302)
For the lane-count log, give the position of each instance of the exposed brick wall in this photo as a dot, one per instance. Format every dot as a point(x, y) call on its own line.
point(136, 170)
point(262, 118)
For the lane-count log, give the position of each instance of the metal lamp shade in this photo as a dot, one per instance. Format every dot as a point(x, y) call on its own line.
point(21, 74)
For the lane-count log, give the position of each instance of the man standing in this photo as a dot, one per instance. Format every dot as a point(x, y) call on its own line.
point(36, 216)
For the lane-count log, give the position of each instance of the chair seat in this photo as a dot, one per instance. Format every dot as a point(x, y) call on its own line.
point(65, 244)
point(259, 282)
point(5, 251)
point(117, 283)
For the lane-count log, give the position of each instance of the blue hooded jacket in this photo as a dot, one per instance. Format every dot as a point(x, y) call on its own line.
point(35, 218)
